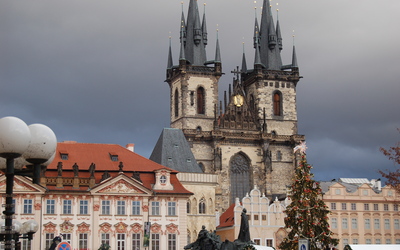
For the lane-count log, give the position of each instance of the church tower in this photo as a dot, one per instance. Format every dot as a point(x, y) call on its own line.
point(194, 82)
point(248, 138)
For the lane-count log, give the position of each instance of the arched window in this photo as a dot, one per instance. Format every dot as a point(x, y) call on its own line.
point(201, 165)
point(200, 101)
point(176, 103)
point(202, 206)
point(188, 207)
point(277, 104)
point(278, 155)
point(240, 176)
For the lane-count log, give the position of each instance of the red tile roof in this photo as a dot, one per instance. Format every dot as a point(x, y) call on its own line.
point(84, 154)
point(227, 219)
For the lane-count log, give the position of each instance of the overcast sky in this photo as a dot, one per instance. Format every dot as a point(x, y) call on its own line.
point(94, 70)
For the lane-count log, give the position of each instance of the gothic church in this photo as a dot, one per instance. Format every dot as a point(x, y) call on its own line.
point(248, 138)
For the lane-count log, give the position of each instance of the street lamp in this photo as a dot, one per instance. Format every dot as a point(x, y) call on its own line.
point(37, 144)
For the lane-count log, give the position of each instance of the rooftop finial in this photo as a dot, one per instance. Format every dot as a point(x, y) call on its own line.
point(277, 11)
point(293, 35)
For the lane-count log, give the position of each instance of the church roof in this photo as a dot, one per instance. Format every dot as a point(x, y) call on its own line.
point(172, 150)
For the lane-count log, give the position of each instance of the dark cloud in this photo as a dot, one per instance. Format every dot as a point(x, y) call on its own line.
point(94, 70)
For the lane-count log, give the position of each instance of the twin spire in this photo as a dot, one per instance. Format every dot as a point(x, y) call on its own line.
point(193, 38)
point(267, 41)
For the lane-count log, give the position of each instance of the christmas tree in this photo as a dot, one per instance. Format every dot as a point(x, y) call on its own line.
point(307, 214)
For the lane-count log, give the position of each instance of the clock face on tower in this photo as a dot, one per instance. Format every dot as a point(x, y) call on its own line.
point(238, 100)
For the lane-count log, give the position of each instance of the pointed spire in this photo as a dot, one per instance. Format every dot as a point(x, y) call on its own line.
point(294, 58)
point(256, 29)
point(269, 52)
point(257, 57)
point(170, 62)
point(244, 64)
point(278, 31)
point(217, 51)
point(183, 27)
point(204, 26)
point(194, 48)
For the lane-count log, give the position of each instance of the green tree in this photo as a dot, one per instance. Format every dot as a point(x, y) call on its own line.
point(307, 214)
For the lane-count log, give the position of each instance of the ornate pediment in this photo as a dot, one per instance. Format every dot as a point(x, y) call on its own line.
point(120, 186)
point(20, 186)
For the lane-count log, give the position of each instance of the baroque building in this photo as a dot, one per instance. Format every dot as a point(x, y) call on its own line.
point(103, 193)
point(247, 139)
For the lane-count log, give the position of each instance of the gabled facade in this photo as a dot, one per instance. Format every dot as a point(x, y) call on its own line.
point(361, 213)
point(248, 138)
point(104, 193)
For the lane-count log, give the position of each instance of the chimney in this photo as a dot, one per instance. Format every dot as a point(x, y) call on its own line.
point(130, 147)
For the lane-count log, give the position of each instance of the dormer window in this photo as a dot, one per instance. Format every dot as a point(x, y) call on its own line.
point(64, 156)
point(113, 157)
point(163, 179)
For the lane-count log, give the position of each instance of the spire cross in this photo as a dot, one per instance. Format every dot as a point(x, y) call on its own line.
point(237, 72)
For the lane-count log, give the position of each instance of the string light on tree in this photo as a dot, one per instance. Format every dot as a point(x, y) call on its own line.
point(307, 214)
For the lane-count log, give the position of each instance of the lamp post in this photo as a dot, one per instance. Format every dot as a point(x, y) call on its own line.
point(37, 144)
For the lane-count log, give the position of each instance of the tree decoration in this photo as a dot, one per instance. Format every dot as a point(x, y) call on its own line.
point(307, 214)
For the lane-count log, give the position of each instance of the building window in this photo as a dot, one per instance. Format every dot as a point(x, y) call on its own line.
point(83, 207)
point(50, 206)
point(333, 206)
point(83, 241)
point(355, 241)
point(176, 102)
point(353, 206)
point(396, 224)
point(256, 218)
point(66, 237)
point(263, 217)
point(64, 156)
point(114, 157)
point(367, 224)
point(368, 241)
point(334, 223)
point(337, 191)
point(49, 240)
point(202, 206)
point(377, 224)
point(365, 192)
point(105, 207)
point(278, 155)
point(388, 241)
point(376, 208)
point(155, 241)
point(257, 241)
point(105, 238)
point(188, 207)
point(397, 241)
point(120, 241)
point(354, 223)
point(269, 242)
point(25, 244)
point(67, 206)
point(120, 207)
point(200, 101)
point(387, 224)
point(366, 207)
point(171, 208)
point(155, 208)
point(277, 104)
point(396, 207)
point(344, 223)
point(386, 207)
point(28, 206)
point(378, 241)
point(135, 241)
point(344, 206)
point(135, 207)
point(345, 242)
point(240, 177)
point(171, 241)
